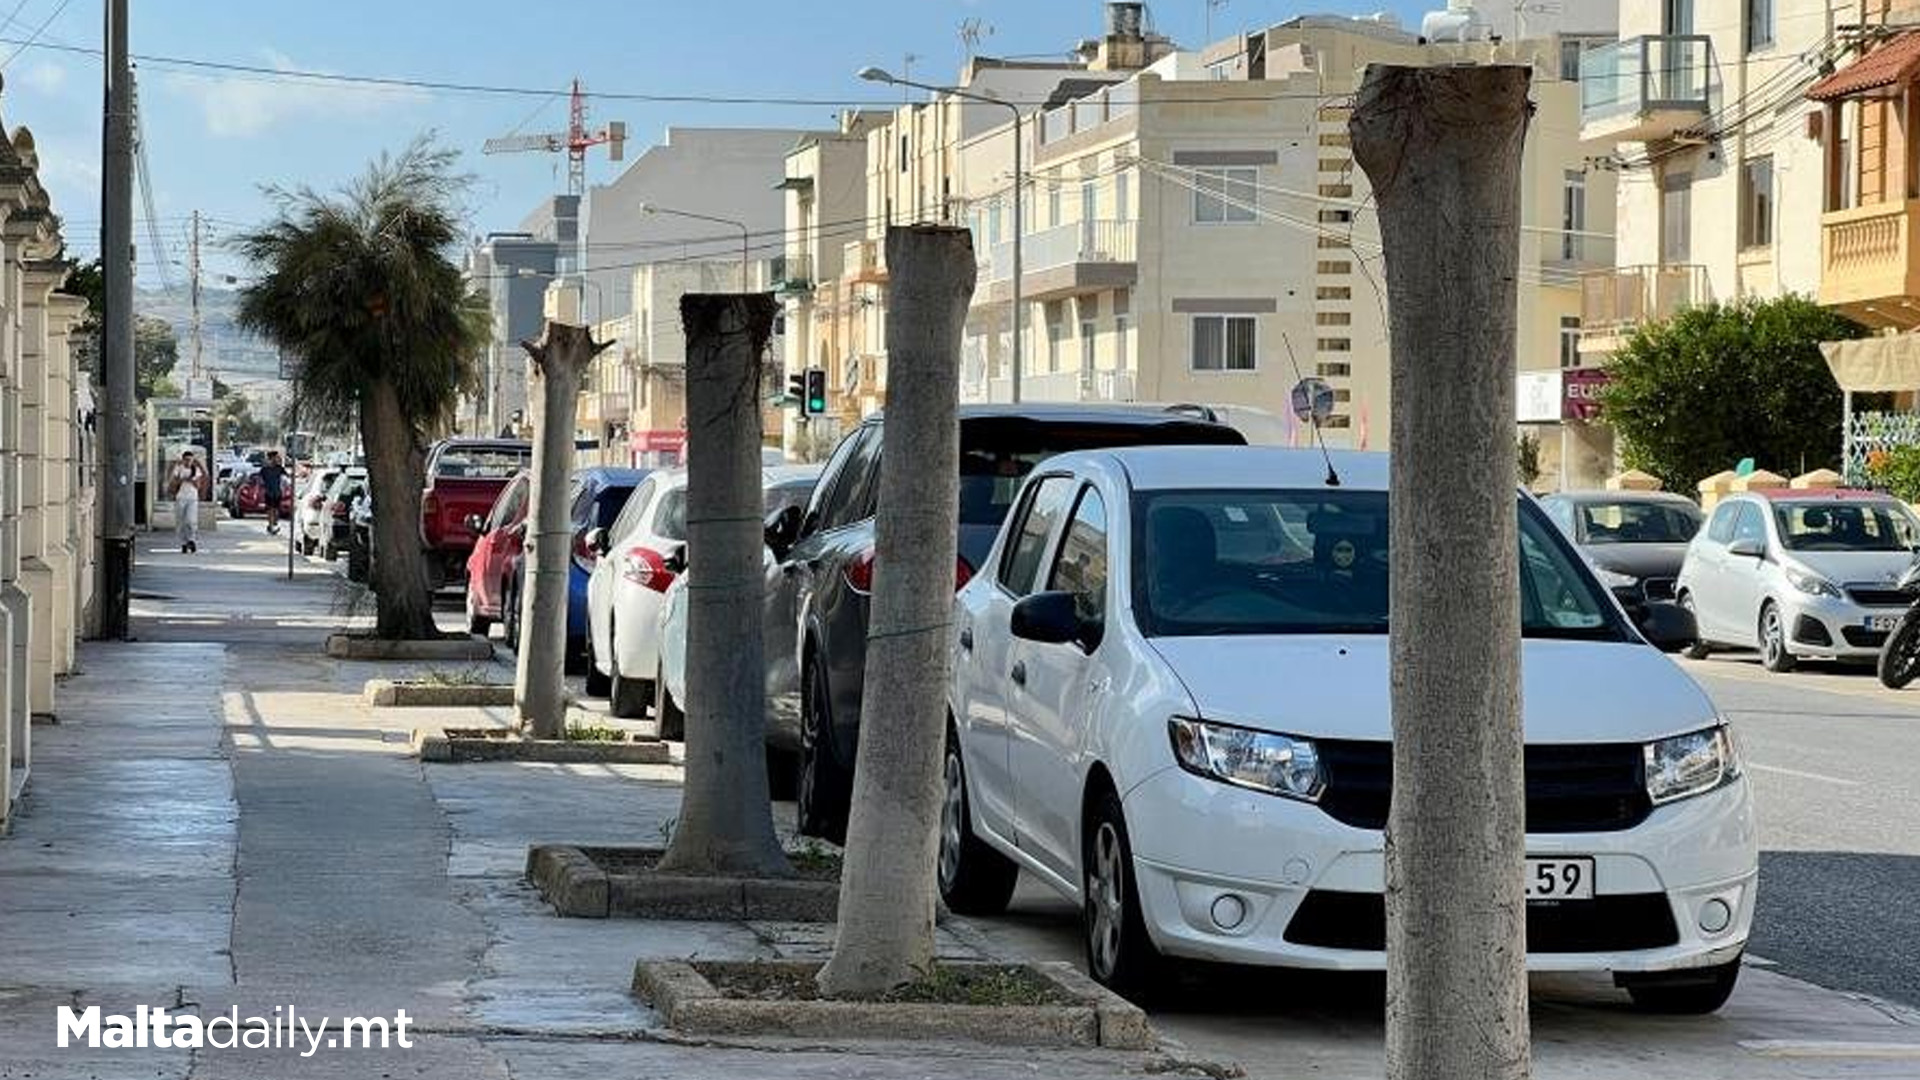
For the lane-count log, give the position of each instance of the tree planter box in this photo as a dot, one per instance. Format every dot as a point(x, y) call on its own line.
point(501, 744)
point(596, 883)
point(357, 647)
point(703, 998)
point(389, 693)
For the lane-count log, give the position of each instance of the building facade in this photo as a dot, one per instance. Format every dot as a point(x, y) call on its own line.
point(48, 555)
point(1699, 107)
point(512, 271)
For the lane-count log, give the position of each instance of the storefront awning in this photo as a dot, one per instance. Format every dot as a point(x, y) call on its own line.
point(1875, 364)
point(1892, 63)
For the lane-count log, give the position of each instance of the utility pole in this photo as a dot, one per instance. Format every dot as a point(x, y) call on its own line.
point(116, 329)
point(1442, 148)
point(193, 277)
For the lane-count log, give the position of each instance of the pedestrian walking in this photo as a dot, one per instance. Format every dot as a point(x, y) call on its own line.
point(273, 477)
point(184, 484)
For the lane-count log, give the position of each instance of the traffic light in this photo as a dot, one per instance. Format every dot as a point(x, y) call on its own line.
point(815, 401)
point(797, 388)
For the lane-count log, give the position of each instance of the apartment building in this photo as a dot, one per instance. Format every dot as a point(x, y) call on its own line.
point(1870, 216)
point(633, 410)
point(1722, 180)
point(1197, 231)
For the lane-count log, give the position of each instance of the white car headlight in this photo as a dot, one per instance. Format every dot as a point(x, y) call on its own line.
point(1259, 760)
point(1691, 764)
point(1810, 583)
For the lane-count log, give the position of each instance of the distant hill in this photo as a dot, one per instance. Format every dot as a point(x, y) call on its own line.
point(231, 353)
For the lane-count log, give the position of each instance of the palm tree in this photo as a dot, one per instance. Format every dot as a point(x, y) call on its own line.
point(360, 287)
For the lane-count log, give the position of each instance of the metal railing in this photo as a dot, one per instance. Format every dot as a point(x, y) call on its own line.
point(1644, 74)
point(1095, 241)
point(1089, 112)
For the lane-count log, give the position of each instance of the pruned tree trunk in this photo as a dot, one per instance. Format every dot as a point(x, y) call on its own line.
point(726, 817)
point(560, 361)
point(396, 475)
point(1442, 148)
point(887, 896)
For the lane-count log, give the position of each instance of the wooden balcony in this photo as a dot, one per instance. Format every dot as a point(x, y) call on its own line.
point(1614, 302)
point(1868, 270)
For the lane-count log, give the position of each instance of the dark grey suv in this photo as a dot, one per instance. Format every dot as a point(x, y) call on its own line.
point(817, 597)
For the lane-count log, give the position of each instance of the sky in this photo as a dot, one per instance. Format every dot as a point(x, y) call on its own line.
point(214, 140)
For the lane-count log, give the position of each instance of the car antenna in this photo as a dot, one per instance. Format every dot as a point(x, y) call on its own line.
point(1312, 418)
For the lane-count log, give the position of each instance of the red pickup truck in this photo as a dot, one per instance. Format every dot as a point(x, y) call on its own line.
point(464, 477)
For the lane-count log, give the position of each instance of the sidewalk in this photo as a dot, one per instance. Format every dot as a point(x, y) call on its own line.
point(219, 822)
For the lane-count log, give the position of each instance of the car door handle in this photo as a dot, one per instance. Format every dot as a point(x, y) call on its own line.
point(966, 639)
point(1019, 673)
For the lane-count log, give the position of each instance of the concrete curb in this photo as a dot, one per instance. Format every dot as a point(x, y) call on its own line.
point(454, 745)
point(691, 1005)
point(391, 694)
point(576, 886)
point(354, 647)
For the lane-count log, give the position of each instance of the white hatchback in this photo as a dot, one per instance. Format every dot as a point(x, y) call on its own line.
point(1170, 703)
point(626, 592)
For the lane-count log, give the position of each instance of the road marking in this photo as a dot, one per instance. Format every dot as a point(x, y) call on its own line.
point(1811, 1048)
point(1803, 775)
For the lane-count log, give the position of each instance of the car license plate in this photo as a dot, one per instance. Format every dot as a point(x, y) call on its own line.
point(1883, 623)
point(1559, 879)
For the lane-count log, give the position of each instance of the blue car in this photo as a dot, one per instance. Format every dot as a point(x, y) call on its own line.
point(594, 499)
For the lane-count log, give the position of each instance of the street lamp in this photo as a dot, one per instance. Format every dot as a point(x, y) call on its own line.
point(879, 75)
point(651, 208)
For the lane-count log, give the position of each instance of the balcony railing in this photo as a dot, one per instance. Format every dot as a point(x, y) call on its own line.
point(1091, 111)
point(1867, 263)
point(1645, 88)
point(1615, 301)
point(792, 273)
point(866, 260)
point(1064, 245)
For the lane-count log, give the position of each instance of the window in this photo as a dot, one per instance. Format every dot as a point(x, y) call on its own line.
point(1756, 202)
point(1081, 566)
point(1089, 202)
point(1759, 24)
point(1334, 164)
point(1122, 197)
point(1334, 344)
point(1336, 217)
point(1042, 509)
point(1224, 342)
point(512, 505)
point(1332, 139)
point(1569, 341)
point(1676, 218)
point(1751, 526)
point(1858, 526)
point(670, 521)
point(993, 222)
point(1333, 370)
point(1087, 341)
point(1720, 530)
point(1573, 215)
point(1333, 292)
point(903, 153)
point(831, 477)
point(1223, 195)
point(1056, 204)
point(1333, 242)
point(1337, 191)
point(851, 498)
point(1121, 324)
point(636, 505)
point(1333, 318)
point(1056, 332)
point(1570, 61)
point(1333, 266)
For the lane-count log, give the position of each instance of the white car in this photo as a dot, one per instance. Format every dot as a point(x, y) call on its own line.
point(625, 592)
point(1799, 573)
point(1170, 703)
point(310, 518)
point(783, 486)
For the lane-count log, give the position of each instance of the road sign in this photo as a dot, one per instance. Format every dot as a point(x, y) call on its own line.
point(1313, 400)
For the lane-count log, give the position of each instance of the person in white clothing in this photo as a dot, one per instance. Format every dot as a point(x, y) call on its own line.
point(184, 485)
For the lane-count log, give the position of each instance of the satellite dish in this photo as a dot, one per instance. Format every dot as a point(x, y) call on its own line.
point(1312, 400)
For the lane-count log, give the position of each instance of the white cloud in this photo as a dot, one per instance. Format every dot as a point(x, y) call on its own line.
point(240, 106)
point(46, 77)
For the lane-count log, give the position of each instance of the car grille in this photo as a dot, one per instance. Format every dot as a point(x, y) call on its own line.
point(1876, 595)
point(1351, 920)
point(1599, 787)
point(1862, 638)
point(1658, 588)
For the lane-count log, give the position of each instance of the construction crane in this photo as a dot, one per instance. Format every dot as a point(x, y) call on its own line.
point(575, 141)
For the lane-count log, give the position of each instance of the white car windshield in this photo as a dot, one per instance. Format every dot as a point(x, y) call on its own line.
point(1857, 526)
point(1315, 562)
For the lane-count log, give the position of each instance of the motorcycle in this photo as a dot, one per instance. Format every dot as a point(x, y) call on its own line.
point(1900, 655)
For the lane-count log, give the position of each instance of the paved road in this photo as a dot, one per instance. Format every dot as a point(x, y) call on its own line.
point(1832, 756)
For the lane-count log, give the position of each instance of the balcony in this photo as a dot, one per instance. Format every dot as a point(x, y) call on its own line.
point(1645, 89)
point(1867, 268)
point(1079, 257)
point(792, 273)
point(1614, 302)
point(866, 261)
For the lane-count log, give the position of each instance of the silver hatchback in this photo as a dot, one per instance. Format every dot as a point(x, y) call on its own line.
point(1799, 573)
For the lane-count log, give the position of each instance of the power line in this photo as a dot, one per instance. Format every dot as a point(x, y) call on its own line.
point(35, 36)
